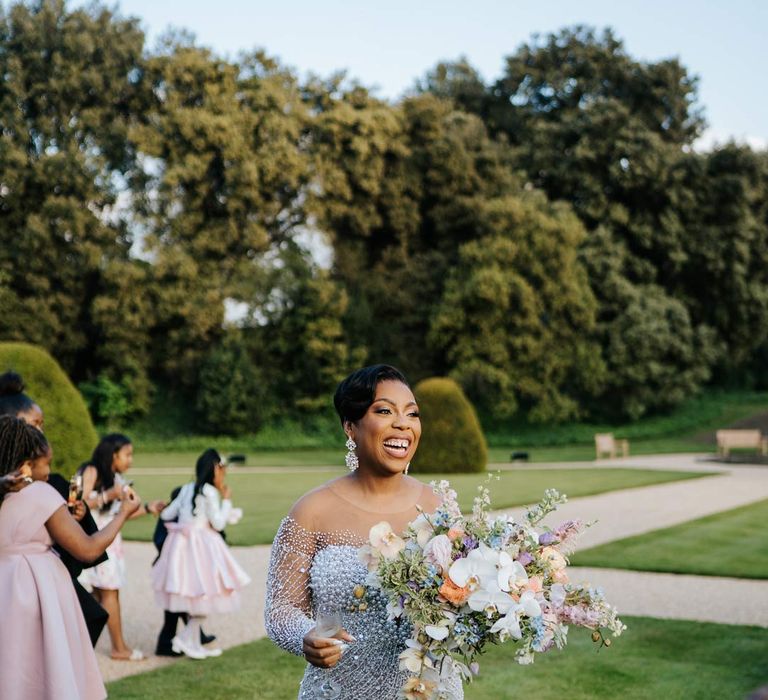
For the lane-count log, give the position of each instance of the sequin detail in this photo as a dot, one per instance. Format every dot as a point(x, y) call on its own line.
point(309, 569)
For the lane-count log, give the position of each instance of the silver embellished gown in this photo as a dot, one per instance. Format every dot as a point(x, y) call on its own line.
point(313, 569)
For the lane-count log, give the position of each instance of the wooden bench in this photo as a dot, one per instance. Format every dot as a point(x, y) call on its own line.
point(747, 439)
point(606, 444)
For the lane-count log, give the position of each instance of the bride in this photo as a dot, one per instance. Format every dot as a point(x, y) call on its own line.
point(314, 566)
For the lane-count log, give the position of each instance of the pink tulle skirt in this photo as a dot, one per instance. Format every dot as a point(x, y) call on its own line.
point(196, 573)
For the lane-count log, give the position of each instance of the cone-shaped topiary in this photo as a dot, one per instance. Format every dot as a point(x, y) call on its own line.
point(68, 425)
point(451, 437)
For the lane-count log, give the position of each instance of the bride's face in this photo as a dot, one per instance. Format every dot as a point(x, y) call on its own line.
point(388, 434)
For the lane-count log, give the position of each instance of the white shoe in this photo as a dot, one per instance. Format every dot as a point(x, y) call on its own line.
point(181, 647)
point(212, 652)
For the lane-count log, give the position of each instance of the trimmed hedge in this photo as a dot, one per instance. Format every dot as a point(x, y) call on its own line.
point(451, 438)
point(68, 425)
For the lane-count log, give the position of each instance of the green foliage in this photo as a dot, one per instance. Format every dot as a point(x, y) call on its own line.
point(229, 389)
point(69, 84)
point(224, 167)
point(141, 192)
point(451, 439)
point(68, 426)
point(107, 400)
point(521, 289)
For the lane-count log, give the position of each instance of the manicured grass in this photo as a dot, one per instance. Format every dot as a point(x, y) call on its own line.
point(652, 659)
point(266, 498)
point(185, 459)
point(732, 543)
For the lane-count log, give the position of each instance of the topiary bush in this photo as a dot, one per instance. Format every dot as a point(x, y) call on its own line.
point(451, 437)
point(68, 425)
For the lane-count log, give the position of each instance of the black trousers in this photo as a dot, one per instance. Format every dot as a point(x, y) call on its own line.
point(95, 616)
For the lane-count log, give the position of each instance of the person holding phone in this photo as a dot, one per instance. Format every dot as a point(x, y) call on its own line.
point(15, 402)
point(104, 485)
point(45, 650)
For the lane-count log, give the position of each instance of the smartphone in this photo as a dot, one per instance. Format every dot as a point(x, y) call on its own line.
point(75, 491)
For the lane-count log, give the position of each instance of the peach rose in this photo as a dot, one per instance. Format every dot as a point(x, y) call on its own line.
point(560, 576)
point(454, 594)
point(535, 584)
point(454, 533)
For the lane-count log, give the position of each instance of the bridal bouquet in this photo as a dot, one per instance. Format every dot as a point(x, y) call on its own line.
point(464, 581)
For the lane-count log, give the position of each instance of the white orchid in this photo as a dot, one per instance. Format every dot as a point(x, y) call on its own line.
point(438, 632)
point(477, 568)
point(423, 529)
point(517, 577)
point(383, 539)
point(509, 625)
point(491, 600)
point(414, 657)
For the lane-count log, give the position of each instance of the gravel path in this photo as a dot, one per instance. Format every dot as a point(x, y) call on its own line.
point(619, 514)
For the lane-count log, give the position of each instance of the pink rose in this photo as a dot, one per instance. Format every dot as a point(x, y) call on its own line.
point(438, 552)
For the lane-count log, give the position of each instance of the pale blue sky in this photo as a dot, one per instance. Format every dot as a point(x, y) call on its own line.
point(390, 44)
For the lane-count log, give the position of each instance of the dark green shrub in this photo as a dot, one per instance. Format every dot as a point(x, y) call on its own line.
point(68, 425)
point(451, 438)
point(230, 390)
point(107, 401)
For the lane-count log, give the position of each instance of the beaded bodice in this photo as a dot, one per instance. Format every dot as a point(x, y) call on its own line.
point(309, 570)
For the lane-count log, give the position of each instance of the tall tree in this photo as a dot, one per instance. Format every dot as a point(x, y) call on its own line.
point(224, 172)
point(70, 83)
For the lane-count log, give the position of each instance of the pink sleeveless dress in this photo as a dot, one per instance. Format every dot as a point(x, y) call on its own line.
point(45, 650)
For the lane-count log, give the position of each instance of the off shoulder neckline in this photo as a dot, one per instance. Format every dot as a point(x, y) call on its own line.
point(409, 507)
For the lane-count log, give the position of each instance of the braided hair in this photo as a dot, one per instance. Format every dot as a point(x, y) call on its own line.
point(19, 443)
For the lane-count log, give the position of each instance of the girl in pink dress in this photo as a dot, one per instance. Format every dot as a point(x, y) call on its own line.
point(45, 649)
point(196, 573)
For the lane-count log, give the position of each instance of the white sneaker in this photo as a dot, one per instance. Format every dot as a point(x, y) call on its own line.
point(180, 646)
point(212, 652)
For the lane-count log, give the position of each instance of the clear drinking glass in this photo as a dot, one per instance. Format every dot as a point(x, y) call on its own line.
point(327, 624)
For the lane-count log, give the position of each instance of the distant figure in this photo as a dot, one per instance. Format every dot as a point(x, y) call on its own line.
point(195, 572)
point(45, 650)
point(103, 486)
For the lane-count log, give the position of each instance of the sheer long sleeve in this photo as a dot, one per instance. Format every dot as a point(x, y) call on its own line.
point(288, 609)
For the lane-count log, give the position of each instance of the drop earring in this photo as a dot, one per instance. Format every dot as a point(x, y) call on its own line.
point(406, 468)
point(351, 457)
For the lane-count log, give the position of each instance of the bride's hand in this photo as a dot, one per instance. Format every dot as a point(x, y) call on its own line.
point(325, 652)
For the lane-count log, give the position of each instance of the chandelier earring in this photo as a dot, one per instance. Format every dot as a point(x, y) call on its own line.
point(351, 457)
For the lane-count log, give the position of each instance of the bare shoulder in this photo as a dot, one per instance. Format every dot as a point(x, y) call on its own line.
point(310, 510)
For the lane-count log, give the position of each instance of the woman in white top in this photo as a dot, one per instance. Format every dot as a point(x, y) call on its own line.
point(196, 573)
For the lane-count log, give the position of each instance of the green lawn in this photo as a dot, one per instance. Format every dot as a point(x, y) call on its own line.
point(653, 659)
point(335, 457)
point(732, 543)
point(266, 498)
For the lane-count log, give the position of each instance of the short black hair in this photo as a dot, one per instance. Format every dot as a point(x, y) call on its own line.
point(356, 393)
point(19, 443)
point(13, 400)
